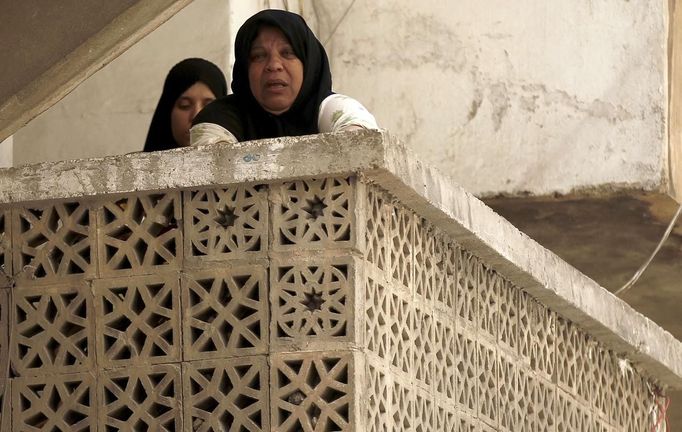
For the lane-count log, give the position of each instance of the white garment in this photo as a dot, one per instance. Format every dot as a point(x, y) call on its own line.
point(337, 113)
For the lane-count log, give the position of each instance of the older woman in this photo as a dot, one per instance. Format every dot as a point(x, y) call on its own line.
point(282, 86)
point(190, 85)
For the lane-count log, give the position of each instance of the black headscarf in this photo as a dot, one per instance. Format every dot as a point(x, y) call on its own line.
point(181, 77)
point(242, 115)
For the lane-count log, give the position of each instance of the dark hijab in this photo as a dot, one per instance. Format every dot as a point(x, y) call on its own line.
point(242, 115)
point(181, 77)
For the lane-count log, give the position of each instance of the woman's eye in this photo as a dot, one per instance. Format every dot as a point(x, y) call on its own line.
point(288, 53)
point(257, 56)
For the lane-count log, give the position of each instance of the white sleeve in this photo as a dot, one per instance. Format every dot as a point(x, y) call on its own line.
point(339, 112)
point(209, 133)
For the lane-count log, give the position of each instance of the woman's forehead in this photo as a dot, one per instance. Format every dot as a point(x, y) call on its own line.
point(269, 33)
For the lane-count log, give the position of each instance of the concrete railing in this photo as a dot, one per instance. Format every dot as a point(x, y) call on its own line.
point(321, 283)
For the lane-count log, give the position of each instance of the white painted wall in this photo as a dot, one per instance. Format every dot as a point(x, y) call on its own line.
point(511, 96)
point(6, 150)
point(508, 97)
point(110, 112)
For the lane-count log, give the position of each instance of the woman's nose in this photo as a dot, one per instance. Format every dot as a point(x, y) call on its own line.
point(195, 110)
point(274, 64)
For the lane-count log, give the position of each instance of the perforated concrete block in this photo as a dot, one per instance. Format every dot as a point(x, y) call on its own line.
point(542, 336)
point(401, 333)
point(314, 303)
point(444, 368)
point(140, 398)
point(53, 330)
point(424, 346)
point(226, 223)
point(543, 408)
point(445, 417)
point(375, 212)
point(6, 271)
point(6, 406)
point(226, 394)
point(424, 411)
point(377, 319)
point(403, 405)
point(490, 284)
point(59, 403)
point(511, 408)
point(4, 336)
point(138, 320)
point(140, 234)
point(377, 398)
point(427, 261)
point(314, 214)
point(316, 391)
point(631, 398)
point(53, 242)
point(225, 312)
point(467, 297)
point(466, 367)
point(401, 243)
point(487, 370)
point(446, 271)
point(509, 332)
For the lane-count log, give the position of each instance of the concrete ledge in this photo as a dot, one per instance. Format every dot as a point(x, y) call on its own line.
point(380, 158)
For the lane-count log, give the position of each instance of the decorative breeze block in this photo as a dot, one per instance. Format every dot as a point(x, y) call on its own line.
point(314, 391)
point(140, 234)
point(138, 320)
point(313, 301)
point(313, 214)
point(6, 270)
point(55, 403)
point(225, 312)
point(53, 330)
point(140, 399)
point(226, 394)
point(53, 242)
point(226, 223)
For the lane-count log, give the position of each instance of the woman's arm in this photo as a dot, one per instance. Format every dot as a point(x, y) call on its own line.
point(209, 133)
point(339, 112)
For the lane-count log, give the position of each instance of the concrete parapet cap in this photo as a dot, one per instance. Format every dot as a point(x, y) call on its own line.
point(378, 157)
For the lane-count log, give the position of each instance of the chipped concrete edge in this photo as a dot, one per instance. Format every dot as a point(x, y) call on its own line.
point(380, 158)
point(217, 164)
point(530, 266)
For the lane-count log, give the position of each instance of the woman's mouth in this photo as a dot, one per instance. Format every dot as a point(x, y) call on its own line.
point(275, 84)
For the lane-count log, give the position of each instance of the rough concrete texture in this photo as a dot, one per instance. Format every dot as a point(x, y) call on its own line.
point(382, 159)
point(608, 238)
point(110, 112)
point(351, 289)
point(512, 97)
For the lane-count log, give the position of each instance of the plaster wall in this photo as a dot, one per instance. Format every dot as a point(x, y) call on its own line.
point(6, 148)
point(512, 97)
point(110, 112)
point(525, 98)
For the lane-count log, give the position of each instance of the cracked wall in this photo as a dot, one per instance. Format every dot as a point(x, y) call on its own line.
point(532, 97)
point(512, 97)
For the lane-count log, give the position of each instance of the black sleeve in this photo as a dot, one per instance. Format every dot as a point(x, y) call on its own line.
point(223, 112)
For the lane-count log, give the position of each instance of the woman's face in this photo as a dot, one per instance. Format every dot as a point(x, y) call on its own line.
point(275, 73)
point(188, 105)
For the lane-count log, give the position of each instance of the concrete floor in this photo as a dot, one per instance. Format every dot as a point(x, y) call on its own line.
point(608, 239)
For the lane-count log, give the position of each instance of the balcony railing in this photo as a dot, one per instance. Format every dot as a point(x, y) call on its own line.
point(327, 282)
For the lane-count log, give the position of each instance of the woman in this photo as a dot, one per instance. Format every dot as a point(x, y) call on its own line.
point(189, 87)
point(281, 85)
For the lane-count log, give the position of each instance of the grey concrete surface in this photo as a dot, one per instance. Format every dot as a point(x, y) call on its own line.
point(380, 158)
